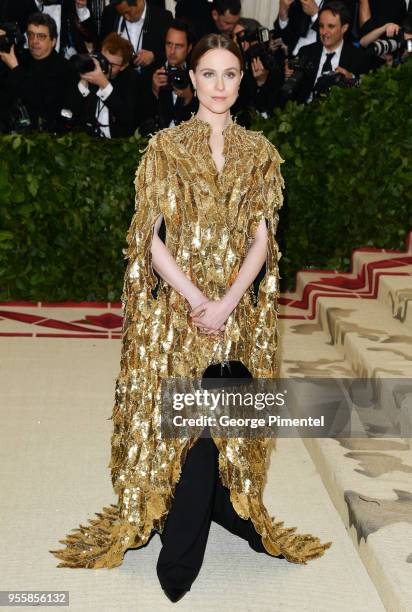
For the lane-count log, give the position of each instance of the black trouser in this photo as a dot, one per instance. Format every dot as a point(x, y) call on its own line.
point(200, 497)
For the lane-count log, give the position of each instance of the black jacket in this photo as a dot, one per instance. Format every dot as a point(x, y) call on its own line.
point(154, 30)
point(41, 85)
point(354, 59)
point(299, 23)
point(198, 13)
point(122, 104)
point(385, 11)
point(72, 30)
point(159, 112)
point(263, 99)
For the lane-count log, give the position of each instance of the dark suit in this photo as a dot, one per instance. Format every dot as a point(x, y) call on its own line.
point(299, 23)
point(161, 111)
point(251, 97)
point(154, 30)
point(122, 104)
point(41, 85)
point(354, 59)
point(73, 32)
point(198, 13)
point(385, 11)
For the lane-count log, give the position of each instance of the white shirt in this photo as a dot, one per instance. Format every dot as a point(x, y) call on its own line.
point(55, 11)
point(174, 96)
point(311, 34)
point(132, 30)
point(102, 112)
point(335, 62)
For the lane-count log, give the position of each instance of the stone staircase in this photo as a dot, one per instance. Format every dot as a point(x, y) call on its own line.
point(359, 325)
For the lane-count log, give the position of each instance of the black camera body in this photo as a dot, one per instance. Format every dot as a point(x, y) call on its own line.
point(332, 79)
point(84, 62)
point(177, 77)
point(260, 35)
point(301, 67)
point(12, 36)
point(260, 47)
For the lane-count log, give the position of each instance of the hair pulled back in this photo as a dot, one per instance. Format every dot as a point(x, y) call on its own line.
point(214, 41)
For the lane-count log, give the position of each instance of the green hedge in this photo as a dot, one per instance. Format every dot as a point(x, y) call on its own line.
point(348, 171)
point(66, 203)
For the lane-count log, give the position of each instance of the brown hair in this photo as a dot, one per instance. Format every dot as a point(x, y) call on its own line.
point(117, 45)
point(214, 41)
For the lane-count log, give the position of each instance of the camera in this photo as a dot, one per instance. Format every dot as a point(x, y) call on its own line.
point(84, 62)
point(260, 47)
point(177, 77)
point(261, 35)
point(332, 79)
point(300, 66)
point(396, 45)
point(12, 36)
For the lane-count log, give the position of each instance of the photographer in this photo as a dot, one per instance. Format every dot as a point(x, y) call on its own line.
point(389, 44)
point(334, 58)
point(104, 102)
point(144, 25)
point(75, 25)
point(172, 100)
point(298, 21)
point(197, 13)
point(225, 15)
point(37, 80)
point(263, 74)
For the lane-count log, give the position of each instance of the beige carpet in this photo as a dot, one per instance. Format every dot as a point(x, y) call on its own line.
point(55, 446)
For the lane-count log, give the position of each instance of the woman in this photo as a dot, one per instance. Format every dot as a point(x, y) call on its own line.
point(218, 188)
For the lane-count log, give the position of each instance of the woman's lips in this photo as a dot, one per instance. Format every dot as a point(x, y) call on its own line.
point(220, 98)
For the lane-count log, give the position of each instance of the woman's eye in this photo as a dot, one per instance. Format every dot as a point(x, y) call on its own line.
point(231, 74)
point(207, 74)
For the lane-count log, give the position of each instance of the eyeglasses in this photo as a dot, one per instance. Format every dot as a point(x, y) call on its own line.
point(38, 35)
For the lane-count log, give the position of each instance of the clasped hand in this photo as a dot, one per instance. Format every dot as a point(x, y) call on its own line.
point(210, 316)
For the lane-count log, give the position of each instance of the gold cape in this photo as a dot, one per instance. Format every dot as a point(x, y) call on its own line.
point(211, 218)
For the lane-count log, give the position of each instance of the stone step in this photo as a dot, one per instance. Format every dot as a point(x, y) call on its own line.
point(372, 341)
point(395, 292)
point(302, 303)
point(369, 480)
point(370, 484)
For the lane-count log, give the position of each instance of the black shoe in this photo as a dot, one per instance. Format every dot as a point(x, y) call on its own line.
point(174, 594)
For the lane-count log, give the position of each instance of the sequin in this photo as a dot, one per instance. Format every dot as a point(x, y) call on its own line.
point(211, 218)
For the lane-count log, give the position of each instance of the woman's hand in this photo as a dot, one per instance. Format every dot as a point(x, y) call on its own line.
point(211, 316)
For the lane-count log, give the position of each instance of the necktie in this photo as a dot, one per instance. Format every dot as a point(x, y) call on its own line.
point(327, 66)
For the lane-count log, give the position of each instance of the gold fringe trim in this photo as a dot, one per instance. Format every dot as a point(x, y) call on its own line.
point(104, 542)
point(277, 539)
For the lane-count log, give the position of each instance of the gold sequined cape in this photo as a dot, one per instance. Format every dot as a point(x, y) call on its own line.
point(211, 219)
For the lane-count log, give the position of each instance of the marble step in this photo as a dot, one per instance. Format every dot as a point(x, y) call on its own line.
point(303, 301)
point(368, 480)
point(395, 292)
point(370, 484)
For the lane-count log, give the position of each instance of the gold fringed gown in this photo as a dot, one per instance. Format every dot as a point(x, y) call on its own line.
point(211, 218)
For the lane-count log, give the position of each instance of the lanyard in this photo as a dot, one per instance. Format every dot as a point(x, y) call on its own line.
point(124, 27)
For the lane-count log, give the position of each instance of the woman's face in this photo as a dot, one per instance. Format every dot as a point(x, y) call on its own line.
point(217, 79)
